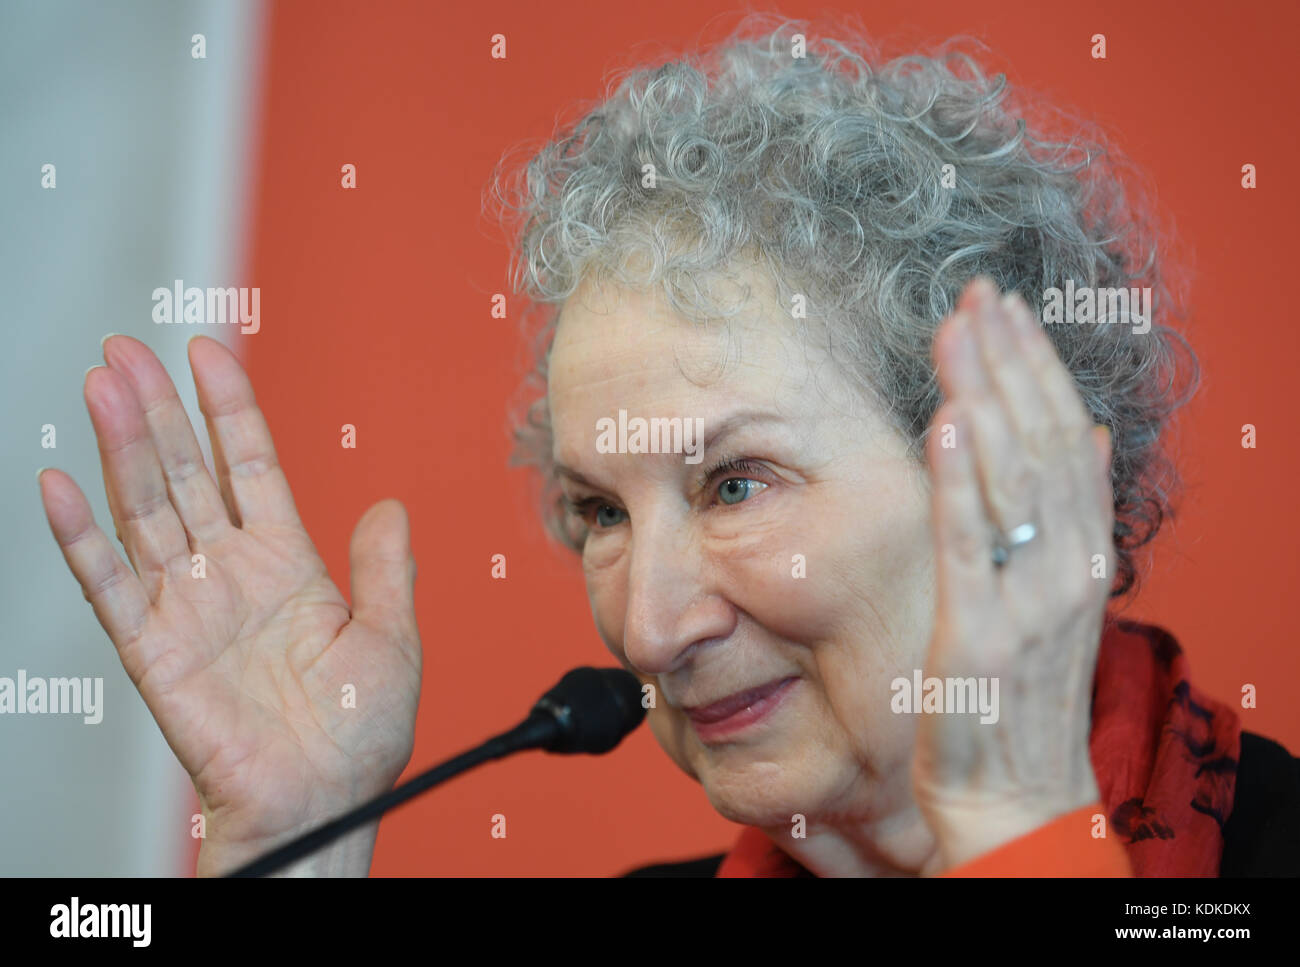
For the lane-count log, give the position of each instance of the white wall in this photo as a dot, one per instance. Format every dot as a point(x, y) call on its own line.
point(152, 149)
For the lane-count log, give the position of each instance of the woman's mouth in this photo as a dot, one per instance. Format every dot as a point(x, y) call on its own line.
point(725, 718)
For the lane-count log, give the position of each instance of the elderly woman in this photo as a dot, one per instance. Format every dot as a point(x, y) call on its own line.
point(856, 440)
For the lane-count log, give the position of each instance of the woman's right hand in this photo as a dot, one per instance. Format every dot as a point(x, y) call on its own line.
point(246, 669)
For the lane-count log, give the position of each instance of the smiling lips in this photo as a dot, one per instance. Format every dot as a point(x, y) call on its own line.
point(738, 711)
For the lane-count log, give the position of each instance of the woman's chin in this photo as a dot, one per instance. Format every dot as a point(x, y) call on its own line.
point(764, 792)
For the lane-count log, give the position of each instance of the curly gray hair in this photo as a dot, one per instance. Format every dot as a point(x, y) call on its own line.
point(829, 170)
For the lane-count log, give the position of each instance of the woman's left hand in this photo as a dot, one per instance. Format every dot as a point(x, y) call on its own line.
point(1012, 444)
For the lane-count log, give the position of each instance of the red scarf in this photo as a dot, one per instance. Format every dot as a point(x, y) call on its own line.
point(1164, 754)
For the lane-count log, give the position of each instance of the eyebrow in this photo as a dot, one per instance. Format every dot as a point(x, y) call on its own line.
point(729, 424)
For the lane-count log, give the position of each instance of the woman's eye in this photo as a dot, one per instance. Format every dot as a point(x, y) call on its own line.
point(595, 513)
point(607, 516)
point(736, 489)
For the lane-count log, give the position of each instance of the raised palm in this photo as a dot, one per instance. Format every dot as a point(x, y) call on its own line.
point(283, 704)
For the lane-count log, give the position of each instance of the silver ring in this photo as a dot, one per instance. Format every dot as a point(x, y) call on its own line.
point(1006, 543)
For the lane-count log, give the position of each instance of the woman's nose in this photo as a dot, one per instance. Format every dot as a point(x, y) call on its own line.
point(673, 601)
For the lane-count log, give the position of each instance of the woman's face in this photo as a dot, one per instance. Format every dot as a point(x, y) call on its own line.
point(800, 573)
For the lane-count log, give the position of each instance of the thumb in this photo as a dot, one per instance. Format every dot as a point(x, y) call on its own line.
point(383, 571)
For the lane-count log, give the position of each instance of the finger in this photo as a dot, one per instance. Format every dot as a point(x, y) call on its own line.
point(1012, 483)
point(1057, 385)
point(963, 547)
point(247, 467)
point(193, 492)
point(956, 354)
point(383, 571)
point(1032, 467)
point(119, 599)
point(1002, 465)
point(1081, 466)
point(1013, 378)
point(137, 494)
point(1073, 517)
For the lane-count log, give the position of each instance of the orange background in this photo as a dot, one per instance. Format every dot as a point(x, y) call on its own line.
point(376, 313)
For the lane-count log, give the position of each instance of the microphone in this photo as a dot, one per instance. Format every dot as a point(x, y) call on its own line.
point(590, 710)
